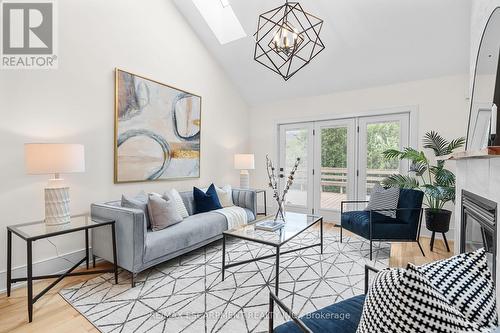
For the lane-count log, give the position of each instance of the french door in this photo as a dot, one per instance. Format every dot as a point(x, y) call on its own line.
point(340, 160)
point(296, 141)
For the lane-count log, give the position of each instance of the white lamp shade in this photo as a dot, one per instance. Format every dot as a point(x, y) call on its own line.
point(52, 158)
point(244, 161)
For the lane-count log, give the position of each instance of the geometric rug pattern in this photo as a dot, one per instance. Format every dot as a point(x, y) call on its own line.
point(187, 294)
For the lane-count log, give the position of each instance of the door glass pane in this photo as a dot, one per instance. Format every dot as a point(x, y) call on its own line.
point(333, 183)
point(296, 144)
point(380, 137)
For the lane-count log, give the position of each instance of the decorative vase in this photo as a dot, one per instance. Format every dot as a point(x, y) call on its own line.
point(280, 214)
point(273, 183)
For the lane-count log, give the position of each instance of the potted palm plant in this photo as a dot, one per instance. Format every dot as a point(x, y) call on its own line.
point(437, 182)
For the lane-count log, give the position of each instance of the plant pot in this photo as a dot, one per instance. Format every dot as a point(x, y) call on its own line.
point(437, 220)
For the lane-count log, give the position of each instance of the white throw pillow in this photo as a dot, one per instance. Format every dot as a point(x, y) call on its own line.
point(225, 195)
point(179, 204)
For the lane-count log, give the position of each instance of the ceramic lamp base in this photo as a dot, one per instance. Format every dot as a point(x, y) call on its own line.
point(244, 179)
point(57, 206)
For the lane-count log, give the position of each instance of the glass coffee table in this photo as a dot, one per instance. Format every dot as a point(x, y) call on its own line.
point(295, 224)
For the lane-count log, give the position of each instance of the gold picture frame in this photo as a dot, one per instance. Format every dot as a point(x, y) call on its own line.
point(157, 130)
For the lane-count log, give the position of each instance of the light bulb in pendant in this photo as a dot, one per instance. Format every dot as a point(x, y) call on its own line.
point(286, 39)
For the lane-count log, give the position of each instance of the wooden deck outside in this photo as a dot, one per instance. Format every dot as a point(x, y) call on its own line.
point(330, 200)
point(332, 178)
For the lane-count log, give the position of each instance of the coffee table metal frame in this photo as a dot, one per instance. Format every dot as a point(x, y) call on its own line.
point(277, 246)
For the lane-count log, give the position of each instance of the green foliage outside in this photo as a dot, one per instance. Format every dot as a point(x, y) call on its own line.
point(380, 137)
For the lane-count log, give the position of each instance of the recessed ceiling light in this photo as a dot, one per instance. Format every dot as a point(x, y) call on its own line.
point(221, 19)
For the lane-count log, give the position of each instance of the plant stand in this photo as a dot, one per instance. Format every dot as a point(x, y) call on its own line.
point(438, 221)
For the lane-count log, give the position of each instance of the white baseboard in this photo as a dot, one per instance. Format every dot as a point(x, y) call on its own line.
point(53, 265)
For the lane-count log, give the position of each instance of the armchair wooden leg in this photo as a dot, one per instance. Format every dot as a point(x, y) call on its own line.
point(371, 249)
point(421, 249)
point(341, 233)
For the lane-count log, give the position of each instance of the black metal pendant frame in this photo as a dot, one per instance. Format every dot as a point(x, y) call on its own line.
point(308, 29)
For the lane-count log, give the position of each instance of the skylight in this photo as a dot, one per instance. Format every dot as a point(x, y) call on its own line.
point(221, 19)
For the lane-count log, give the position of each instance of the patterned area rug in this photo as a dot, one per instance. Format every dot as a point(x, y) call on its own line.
point(187, 295)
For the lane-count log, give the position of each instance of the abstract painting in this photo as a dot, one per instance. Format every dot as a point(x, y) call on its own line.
point(157, 130)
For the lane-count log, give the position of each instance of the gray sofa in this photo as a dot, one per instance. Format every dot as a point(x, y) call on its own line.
point(139, 248)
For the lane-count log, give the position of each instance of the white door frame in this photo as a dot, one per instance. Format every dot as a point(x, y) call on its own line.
point(350, 124)
point(412, 130)
point(404, 141)
point(309, 126)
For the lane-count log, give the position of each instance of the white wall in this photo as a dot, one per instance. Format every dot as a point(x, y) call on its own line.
point(442, 106)
point(75, 103)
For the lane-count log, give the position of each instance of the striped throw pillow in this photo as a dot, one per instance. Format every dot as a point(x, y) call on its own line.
point(382, 198)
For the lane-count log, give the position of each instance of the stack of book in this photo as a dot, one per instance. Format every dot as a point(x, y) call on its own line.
point(269, 225)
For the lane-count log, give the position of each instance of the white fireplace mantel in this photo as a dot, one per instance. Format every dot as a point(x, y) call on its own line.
point(482, 177)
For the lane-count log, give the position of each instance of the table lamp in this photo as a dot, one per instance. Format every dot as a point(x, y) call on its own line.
point(54, 158)
point(244, 162)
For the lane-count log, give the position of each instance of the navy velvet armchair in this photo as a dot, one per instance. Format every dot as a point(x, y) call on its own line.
point(374, 226)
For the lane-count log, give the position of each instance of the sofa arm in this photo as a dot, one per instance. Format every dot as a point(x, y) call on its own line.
point(245, 199)
point(130, 226)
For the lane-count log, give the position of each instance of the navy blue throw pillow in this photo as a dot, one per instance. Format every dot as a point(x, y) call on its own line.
point(205, 202)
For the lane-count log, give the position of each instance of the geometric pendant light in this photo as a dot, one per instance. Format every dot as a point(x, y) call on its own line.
point(287, 39)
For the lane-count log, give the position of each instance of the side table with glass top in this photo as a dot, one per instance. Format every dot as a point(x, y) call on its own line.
point(33, 231)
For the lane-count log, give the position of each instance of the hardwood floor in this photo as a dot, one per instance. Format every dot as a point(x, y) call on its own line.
point(52, 314)
point(403, 253)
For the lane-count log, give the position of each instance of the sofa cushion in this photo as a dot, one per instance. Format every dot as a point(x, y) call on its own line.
point(192, 230)
point(341, 317)
point(140, 201)
point(383, 226)
point(188, 199)
point(465, 280)
point(225, 195)
point(162, 212)
point(250, 215)
point(179, 203)
point(206, 202)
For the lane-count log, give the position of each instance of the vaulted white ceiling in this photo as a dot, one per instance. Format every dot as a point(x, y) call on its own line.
point(368, 43)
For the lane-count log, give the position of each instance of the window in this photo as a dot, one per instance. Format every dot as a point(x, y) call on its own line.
point(221, 19)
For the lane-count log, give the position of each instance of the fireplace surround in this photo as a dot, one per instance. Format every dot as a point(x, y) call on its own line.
point(479, 226)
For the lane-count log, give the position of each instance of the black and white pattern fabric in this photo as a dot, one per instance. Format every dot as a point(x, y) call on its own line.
point(186, 294)
point(466, 282)
point(403, 300)
point(382, 198)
